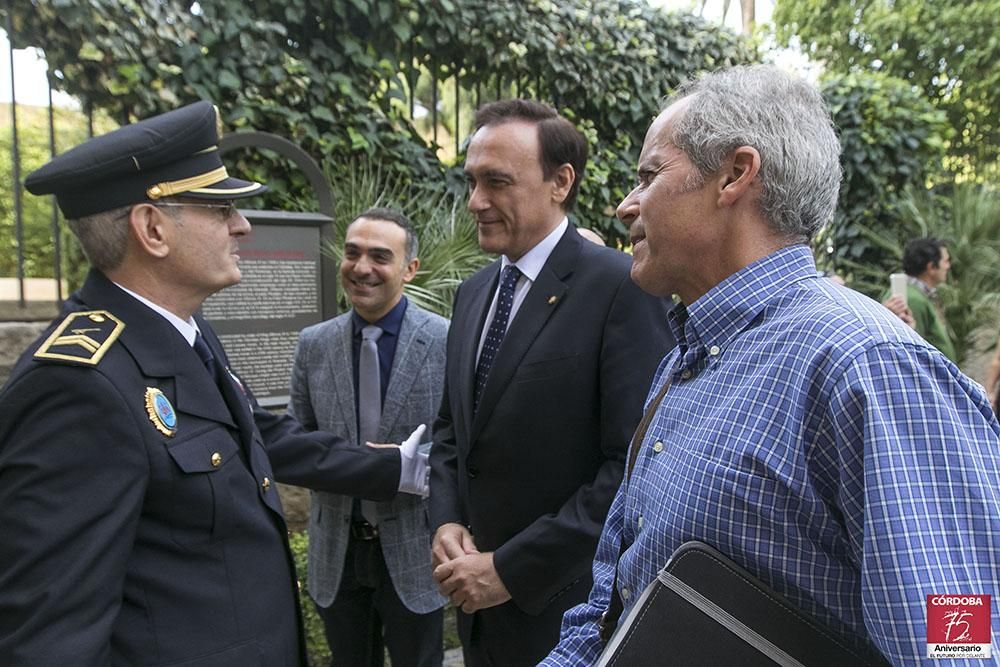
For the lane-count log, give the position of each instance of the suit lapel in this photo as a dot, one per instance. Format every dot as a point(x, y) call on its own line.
point(481, 289)
point(235, 396)
point(544, 297)
point(339, 360)
point(411, 350)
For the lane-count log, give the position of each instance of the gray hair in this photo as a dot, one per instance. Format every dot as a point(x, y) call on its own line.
point(786, 120)
point(103, 237)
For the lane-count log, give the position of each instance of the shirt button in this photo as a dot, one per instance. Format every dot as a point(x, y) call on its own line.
point(641, 520)
point(657, 446)
point(216, 459)
point(714, 350)
point(266, 484)
point(625, 594)
point(686, 374)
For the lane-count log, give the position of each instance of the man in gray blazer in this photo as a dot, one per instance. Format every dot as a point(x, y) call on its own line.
point(369, 563)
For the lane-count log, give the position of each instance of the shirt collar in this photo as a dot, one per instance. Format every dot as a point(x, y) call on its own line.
point(390, 322)
point(531, 262)
point(188, 329)
point(728, 308)
point(931, 292)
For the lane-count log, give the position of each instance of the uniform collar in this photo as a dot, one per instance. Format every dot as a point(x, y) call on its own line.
point(188, 329)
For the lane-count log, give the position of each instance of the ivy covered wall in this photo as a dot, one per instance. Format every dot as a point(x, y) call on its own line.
point(336, 76)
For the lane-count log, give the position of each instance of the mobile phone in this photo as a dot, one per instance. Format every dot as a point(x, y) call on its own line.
point(897, 286)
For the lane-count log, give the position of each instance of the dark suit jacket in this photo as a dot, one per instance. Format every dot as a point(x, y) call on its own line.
point(127, 546)
point(533, 472)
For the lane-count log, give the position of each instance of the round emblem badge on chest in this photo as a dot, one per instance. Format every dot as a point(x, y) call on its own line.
point(160, 411)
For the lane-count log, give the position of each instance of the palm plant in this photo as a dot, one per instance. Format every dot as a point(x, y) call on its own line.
point(449, 249)
point(967, 218)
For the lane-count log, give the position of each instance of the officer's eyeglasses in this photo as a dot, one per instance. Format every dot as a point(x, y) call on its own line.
point(225, 210)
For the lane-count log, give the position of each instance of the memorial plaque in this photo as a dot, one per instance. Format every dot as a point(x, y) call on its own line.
point(287, 285)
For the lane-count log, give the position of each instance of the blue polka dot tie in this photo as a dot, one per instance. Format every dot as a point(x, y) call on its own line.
point(498, 327)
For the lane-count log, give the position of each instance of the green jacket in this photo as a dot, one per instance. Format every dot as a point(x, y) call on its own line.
point(930, 325)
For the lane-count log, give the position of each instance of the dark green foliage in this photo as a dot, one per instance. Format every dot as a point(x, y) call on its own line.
point(319, 652)
point(948, 49)
point(967, 218)
point(36, 212)
point(448, 245)
point(891, 138)
point(334, 75)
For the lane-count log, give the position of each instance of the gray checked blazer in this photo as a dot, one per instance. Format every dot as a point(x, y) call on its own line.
point(322, 398)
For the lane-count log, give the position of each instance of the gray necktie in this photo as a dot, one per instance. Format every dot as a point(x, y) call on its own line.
point(369, 400)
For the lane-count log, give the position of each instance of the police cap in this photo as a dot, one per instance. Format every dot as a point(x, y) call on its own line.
point(171, 154)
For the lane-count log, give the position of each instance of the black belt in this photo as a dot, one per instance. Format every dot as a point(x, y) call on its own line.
point(364, 531)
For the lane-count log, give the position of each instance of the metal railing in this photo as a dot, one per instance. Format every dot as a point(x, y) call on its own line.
point(474, 94)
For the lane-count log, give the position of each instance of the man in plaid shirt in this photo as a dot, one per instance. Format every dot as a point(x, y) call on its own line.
point(804, 431)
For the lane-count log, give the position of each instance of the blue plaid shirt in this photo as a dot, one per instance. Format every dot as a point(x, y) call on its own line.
point(819, 442)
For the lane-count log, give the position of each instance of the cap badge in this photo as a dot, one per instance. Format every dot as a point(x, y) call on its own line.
point(160, 412)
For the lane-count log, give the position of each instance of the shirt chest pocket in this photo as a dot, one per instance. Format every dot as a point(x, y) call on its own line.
point(206, 472)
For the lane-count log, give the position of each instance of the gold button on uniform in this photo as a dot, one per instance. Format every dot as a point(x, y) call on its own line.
point(216, 459)
point(266, 484)
point(657, 446)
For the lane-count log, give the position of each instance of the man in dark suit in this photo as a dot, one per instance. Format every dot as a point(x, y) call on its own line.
point(369, 565)
point(140, 520)
point(550, 354)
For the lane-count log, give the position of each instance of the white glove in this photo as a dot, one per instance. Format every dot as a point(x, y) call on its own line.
point(414, 469)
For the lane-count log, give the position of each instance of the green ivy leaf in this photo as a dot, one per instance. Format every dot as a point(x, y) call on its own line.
point(228, 80)
point(89, 51)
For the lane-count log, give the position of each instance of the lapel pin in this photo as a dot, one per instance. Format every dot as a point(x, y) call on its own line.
point(553, 299)
point(160, 412)
point(237, 382)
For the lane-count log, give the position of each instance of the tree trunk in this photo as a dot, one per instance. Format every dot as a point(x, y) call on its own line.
point(747, 7)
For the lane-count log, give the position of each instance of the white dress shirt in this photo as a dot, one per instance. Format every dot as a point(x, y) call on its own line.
point(188, 329)
point(530, 265)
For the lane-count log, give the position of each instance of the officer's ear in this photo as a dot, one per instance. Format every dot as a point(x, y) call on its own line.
point(151, 229)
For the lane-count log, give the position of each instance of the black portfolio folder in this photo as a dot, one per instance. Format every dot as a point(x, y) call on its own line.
point(704, 609)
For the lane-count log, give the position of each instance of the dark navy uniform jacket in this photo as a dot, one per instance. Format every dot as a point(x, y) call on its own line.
point(120, 544)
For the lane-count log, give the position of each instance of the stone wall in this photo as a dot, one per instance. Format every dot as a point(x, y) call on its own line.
point(14, 338)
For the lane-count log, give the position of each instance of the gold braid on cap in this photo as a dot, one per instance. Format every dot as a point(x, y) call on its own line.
point(186, 184)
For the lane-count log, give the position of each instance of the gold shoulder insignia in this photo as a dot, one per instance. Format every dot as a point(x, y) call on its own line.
point(82, 337)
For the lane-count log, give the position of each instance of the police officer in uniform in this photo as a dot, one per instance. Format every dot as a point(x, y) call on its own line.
point(140, 521)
